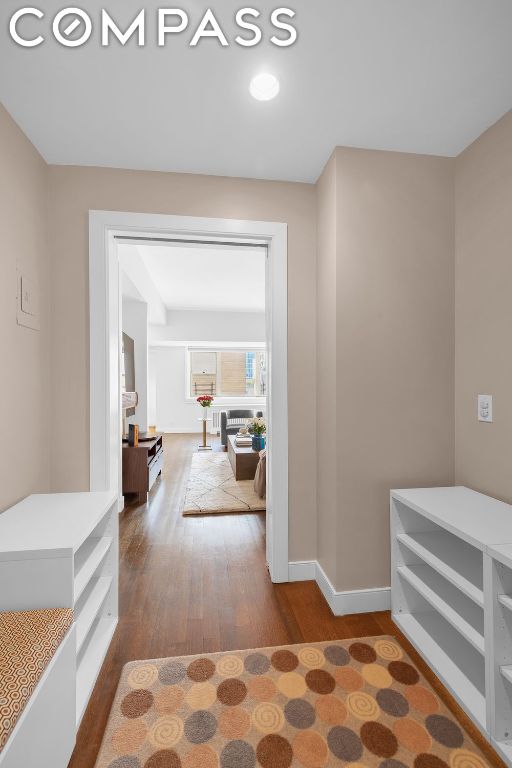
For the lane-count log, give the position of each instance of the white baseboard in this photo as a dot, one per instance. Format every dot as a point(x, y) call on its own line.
point(186, 431)
point(304, 570)
point(341, 603)
point(178, 431)
point(355, 600)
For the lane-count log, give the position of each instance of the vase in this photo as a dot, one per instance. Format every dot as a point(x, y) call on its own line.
point(205, 413)
point(258, 442)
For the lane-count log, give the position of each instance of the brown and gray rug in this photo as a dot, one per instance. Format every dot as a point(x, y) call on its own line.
point(357, 703)
point(212, 488)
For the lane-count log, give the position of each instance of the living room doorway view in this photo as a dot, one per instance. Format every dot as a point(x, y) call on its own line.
point(194, 382)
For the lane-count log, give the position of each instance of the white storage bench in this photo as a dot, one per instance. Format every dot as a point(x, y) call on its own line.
point(60, 551)
point(37, 688)
point(451, 595)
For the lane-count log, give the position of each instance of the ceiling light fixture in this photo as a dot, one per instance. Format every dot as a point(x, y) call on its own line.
point(264, 87)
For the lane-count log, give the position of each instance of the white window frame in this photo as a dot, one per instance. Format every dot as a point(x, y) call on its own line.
point(224, 400)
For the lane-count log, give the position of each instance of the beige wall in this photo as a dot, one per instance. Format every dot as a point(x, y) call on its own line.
point(378, 315)
point(327, 406)
point(25, 376)
point(394, 316)
point(72, 193)
point(484, 310)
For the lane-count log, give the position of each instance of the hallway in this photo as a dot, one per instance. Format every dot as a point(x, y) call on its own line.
point(200, 584)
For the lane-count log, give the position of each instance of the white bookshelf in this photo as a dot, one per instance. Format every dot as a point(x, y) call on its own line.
point(451, 595)
point(91, 608)
point(459, 565)
point(60, 551)
point(499, 669)
point(93, 654)
point(450, 661)
point(465, 617)
point(95, 567)
point(89, 557)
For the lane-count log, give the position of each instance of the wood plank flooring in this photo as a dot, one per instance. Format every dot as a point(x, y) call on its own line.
point(200, 584)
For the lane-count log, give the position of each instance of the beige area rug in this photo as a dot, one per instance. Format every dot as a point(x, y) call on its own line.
point(212, 488)
point(357, 703)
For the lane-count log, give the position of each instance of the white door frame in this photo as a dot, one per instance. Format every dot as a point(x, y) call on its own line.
point(104, 307)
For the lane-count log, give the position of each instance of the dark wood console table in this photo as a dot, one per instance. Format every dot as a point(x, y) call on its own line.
point(142, 465)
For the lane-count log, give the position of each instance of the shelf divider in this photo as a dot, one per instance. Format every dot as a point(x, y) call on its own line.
point(506, 672)
point(90, 663)
point(459, 685)
point(91, 609)
point(454, 618)
point(424, 545)
point(506, 601)
point(90, 555)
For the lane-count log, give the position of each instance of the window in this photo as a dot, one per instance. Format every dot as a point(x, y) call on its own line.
point(228, 372)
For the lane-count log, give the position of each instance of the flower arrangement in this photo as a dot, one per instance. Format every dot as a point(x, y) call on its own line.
point(258, 426)
point(205, 400)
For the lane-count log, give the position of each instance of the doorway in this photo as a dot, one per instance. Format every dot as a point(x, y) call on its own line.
point(194, 314)
point(106, 230)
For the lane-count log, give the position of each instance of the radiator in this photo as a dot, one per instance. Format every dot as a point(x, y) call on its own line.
point(215, 426)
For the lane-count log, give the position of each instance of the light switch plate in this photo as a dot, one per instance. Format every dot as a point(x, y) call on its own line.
point(485, 408)
point(27, 304)
point(29, 297)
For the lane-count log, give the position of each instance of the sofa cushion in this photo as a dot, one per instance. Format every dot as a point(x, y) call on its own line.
point(28, 640)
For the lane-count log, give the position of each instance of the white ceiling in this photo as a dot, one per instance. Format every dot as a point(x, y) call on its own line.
point(422, 76)
point(206, 278)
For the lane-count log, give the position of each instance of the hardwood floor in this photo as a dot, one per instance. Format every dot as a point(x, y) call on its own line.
point(200, 584)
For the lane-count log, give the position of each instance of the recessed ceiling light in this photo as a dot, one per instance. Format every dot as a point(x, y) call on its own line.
point(264, 87)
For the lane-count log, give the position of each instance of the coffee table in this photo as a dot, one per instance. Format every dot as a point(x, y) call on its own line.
point(243, 460)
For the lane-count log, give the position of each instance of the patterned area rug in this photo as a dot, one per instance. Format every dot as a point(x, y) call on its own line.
point(358, 702)
point(212, 488)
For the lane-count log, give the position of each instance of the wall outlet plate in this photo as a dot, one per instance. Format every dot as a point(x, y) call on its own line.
point(485, 408)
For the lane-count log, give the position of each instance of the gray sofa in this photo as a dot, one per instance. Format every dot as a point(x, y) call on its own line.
point(231, 421)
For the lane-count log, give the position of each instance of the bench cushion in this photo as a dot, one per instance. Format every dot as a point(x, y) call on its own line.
point(28, 640)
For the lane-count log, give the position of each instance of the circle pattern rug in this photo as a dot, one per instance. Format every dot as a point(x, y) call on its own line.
point(359, 703)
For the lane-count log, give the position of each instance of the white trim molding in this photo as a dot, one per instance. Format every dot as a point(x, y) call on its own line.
point(179, 430)
point(104, 309)
point(303, 570)
point(354, 600)
point(341, 603)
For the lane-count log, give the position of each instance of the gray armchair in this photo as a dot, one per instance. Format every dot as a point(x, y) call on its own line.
point(231, 421)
